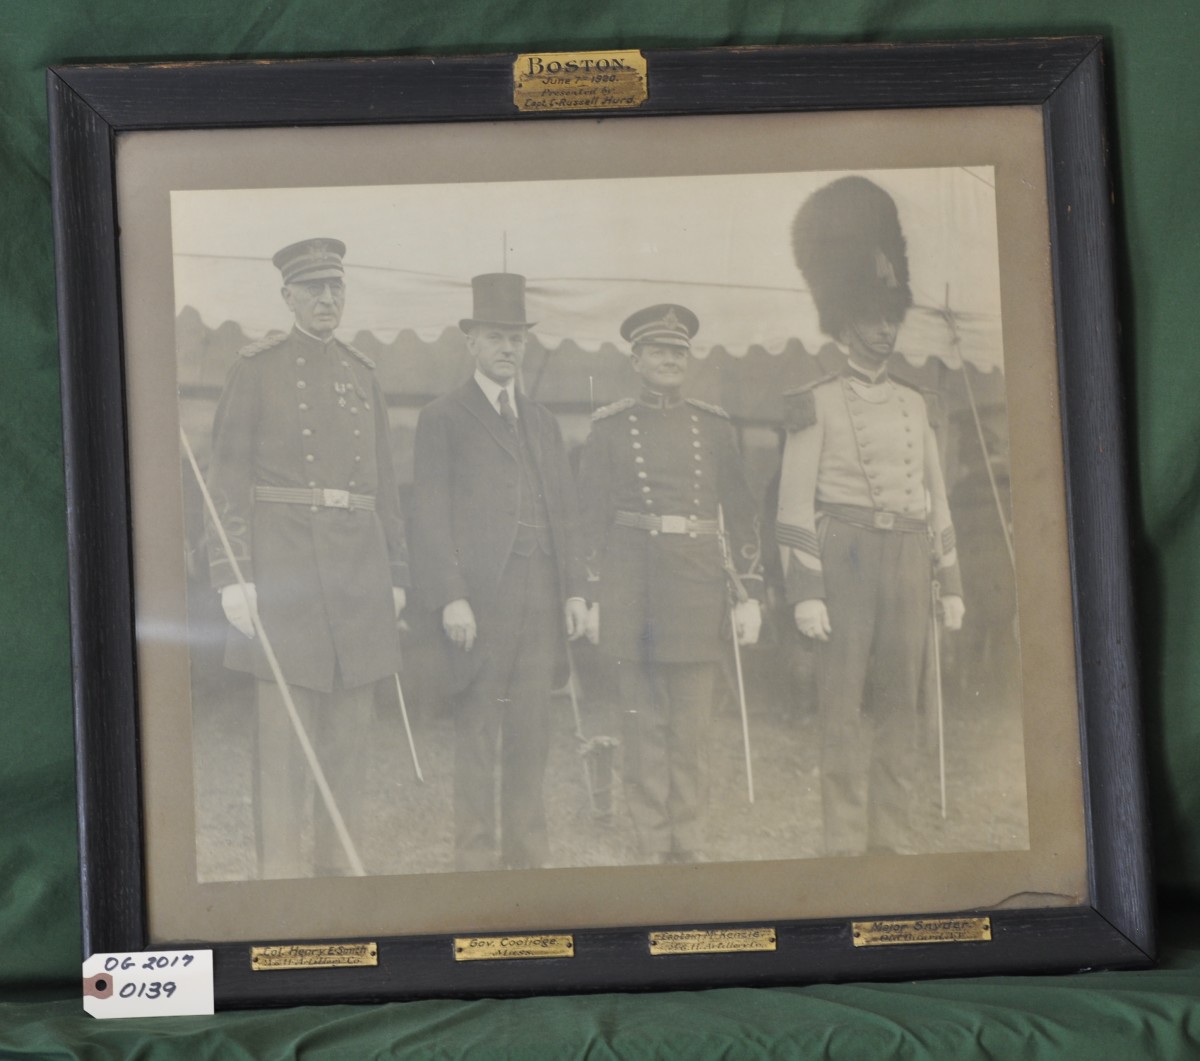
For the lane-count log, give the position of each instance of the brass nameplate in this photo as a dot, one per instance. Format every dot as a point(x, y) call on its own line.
point(712, 941)
point(488, 948)
point(933, 930)
point(575, 81)
point(313, 956)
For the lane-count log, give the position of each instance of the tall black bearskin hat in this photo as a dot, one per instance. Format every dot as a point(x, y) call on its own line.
point(851, 252)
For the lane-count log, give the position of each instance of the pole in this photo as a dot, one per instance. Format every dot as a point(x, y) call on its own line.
point(936, 596)
point(739, 594)
point(412, 745)
point(314, 765)
point(948, 314)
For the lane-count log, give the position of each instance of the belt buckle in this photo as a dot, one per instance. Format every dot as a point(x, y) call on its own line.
point(885, 520)
point(336, 498)
point(674, 525)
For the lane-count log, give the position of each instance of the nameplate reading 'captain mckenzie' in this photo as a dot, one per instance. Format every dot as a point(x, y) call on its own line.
point(572, 81)
point(712, 941)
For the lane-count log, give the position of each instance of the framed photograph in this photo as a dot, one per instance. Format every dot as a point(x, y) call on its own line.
point(598, 521)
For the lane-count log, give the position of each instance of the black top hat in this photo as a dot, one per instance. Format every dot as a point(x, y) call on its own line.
point(499, 298)
point(310, 259)
point(666, 324)
point(851, 251)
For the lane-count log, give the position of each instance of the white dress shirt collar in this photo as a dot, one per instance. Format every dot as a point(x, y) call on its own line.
point(491, 390)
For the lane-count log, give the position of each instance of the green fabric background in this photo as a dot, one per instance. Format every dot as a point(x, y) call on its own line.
point(1155, 94)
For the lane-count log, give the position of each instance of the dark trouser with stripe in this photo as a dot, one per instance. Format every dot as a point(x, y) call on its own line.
point(665, 738)
point(504, 717)
point(338, 727)
point(877, 586)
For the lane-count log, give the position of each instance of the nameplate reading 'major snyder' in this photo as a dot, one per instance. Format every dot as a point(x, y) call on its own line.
point(313, 956)
point(576, 81)
point(712, 940)
point(485, 948)
point(932, 930)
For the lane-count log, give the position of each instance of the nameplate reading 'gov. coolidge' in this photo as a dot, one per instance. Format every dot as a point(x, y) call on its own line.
point(576, 81)
point(483, 948)
point(931, 930)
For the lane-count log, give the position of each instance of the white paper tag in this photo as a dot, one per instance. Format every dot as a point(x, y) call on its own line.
point(163, 983)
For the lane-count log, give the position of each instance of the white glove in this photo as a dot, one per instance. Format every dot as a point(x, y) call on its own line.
point(953, 611)
point(458, 620)
point(812, 619)
point(239, 605)
point(399, 599)
point(592, 630)
point(747, 621)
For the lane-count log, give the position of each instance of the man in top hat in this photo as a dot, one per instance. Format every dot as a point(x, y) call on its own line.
point(658, 474)
point(301, 476)
point(493, 549)
point(864, 526)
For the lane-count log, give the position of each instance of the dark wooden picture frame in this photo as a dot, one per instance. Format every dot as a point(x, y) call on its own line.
point(90, 109)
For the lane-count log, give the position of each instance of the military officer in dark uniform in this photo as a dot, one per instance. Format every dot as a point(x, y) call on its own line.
point(653, 474)
point(495, 563)
point(864, 526)
point(302, 479)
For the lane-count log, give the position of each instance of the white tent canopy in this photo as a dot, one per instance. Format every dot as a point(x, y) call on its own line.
point(594, 251)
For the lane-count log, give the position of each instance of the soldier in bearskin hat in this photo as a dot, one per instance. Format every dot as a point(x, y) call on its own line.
point(656, 474)
point(864, 527)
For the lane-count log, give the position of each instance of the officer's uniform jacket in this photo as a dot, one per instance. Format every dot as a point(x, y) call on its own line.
point(298, 413)
point(466, 479)
point(865, 452)
point(664, 596)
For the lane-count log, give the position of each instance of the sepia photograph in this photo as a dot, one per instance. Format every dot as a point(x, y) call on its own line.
point(574, 530)
point(554, 524)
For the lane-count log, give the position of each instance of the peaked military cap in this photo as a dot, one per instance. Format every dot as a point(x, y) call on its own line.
point(499, 298)
point(852, 254)
point(310, 259)
point(666, 324)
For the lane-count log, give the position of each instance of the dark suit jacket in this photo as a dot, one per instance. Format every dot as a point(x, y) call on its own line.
point(465, 479)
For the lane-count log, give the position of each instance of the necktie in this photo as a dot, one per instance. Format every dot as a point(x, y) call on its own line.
point(507, 411)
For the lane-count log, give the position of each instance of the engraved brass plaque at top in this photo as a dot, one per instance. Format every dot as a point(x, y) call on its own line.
point(484, 948)
point(573, 81)
point(712, 940)
point(313, 956)
point(927, 930)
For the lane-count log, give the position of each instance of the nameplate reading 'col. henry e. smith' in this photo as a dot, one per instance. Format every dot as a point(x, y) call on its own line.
point(573, 81)
point(313, 956)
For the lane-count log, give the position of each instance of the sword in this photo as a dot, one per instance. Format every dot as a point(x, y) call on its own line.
point(314, 765)
point(740, 594)
point(412, 746)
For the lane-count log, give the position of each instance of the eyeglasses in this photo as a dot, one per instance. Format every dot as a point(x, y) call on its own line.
point(316, 288)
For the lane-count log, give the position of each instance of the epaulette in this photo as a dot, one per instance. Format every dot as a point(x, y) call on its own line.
point(605, 411)
point(800, 404)
point(267, 342)
point(357, 353)
point(698, 404)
